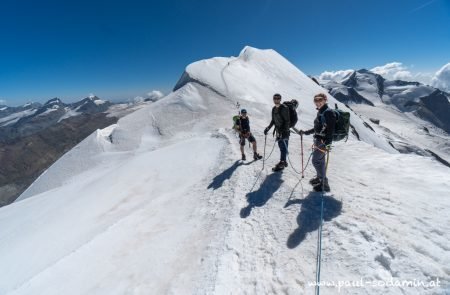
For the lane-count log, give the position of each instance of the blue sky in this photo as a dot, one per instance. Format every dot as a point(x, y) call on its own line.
point(121, 49)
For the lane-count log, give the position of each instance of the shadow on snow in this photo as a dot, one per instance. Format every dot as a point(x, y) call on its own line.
point(309, 217)
point(260, 197)
point(226, 174)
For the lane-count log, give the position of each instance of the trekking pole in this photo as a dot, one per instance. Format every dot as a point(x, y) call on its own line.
point(303, 169)
point(264, 156)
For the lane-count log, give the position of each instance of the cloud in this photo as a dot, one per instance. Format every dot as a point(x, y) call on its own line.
point(2, 102)
point(393, 71)
point(390, 71)
point(334, 76)
point(138, 99)
point(403, 75)
point(154, 95)
point(441, 79)
point(422, 6)
point(424, 78)
point(398, 71)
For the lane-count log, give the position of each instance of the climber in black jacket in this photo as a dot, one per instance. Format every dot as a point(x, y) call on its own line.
point(281, 120)
point(323, 137)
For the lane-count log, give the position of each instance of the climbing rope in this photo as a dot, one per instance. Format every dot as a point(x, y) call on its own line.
point(319, 233)
point(273, 148)
point(290, 162)
point(299, 178)
point(303, 170)
point(264, 153)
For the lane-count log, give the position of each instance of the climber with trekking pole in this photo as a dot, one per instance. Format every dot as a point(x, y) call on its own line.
point(330, 125)
point(284, 116)
point(324, 128)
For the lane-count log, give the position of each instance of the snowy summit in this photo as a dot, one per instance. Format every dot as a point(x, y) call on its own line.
point(159, 203)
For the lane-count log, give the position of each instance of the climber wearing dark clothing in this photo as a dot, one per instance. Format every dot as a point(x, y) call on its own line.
point(323, 136)
point(281, 120)
point(243, 126)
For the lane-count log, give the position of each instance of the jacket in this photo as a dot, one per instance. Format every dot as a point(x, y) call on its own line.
point(244, 124)
point(281, 120)
point(324, 124)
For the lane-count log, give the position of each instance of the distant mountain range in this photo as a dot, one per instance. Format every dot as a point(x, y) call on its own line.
point(366, 87)
point(33, 136)
point(34, 117)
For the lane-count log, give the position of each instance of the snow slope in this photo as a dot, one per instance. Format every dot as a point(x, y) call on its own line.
point(159, 204)
point(14, 117)
point(407, 130)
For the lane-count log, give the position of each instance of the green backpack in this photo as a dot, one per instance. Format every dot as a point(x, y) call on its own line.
point(342, 125)
point(235, 126)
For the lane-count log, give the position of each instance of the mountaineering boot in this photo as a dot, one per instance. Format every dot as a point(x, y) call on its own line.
point(280, 166)
point(322, 187)
point(315, 180)
point(243, 157)
point(256, 156)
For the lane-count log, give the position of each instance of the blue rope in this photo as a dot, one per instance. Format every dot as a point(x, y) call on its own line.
point(319, 250)
point(319, 239)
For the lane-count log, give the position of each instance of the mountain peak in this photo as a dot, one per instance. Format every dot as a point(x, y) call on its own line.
point(364, 71)
point(247, 76)
point(92, 96)
point(53, 101)
point(247, 52)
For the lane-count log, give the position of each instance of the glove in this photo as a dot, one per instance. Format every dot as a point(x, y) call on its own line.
point(328, 147)
point(266, 130)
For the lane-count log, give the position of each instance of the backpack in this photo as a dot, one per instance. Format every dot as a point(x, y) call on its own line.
point(292, 112)
point(342, 123)
point(235, 125)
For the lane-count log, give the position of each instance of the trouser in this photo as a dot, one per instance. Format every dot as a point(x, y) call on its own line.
point(250, 138)
point(283, 144)
point(318, 159)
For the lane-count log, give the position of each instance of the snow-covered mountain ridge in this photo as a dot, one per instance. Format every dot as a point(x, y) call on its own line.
point(363, 86)
point(159, 204)
point(10, 116)
point(413, 117)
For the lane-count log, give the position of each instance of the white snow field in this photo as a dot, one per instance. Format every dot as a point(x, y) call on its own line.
point(160, 203)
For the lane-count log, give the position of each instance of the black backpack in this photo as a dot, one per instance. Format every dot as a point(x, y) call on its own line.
point(292, 106)
point(342, 123)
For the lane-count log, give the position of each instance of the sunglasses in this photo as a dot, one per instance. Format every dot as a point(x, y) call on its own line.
point(318, 99)
point(276, 98)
